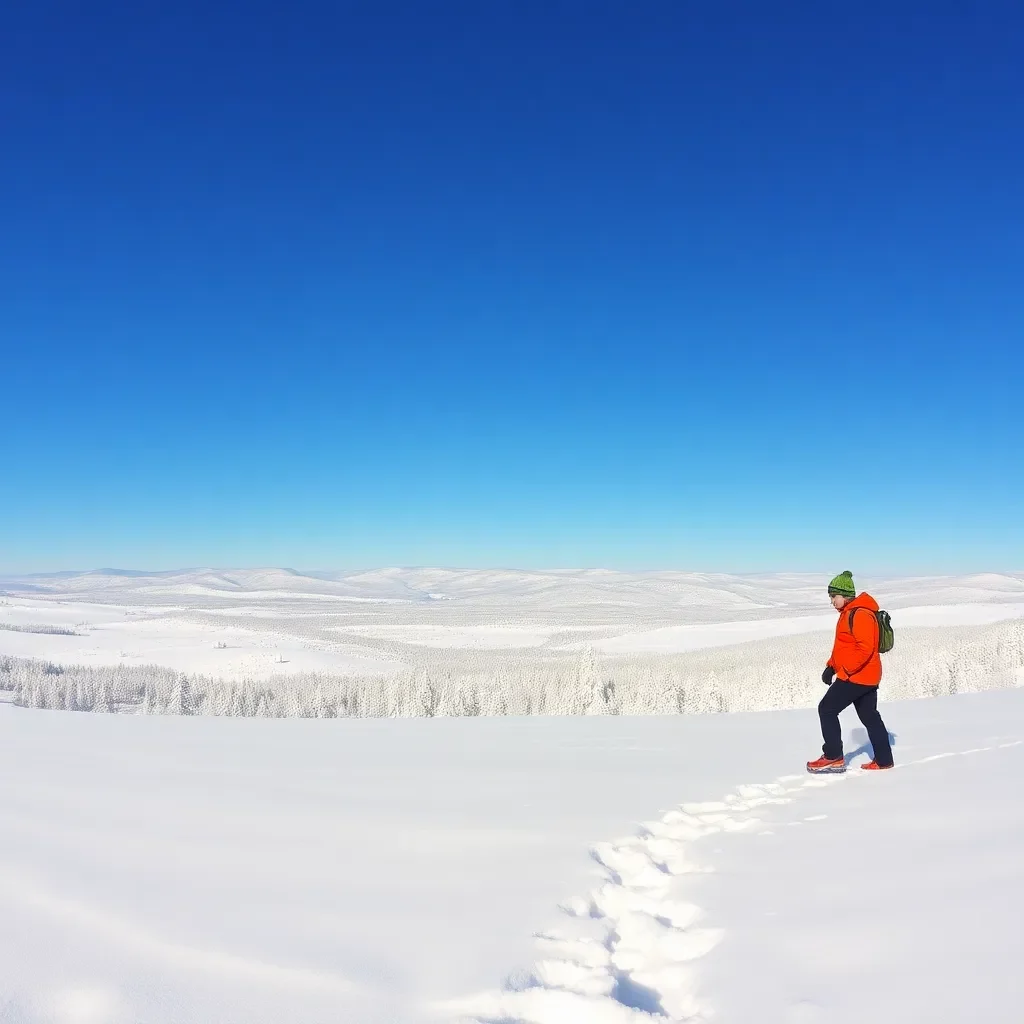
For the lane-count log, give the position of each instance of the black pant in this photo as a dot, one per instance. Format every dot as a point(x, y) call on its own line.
point(841, 694)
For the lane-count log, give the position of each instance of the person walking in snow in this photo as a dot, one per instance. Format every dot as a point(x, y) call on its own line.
point(852, 676)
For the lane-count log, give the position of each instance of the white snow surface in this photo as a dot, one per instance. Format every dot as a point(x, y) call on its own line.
point(521, 870)
point(603, 870)
point(257, 624)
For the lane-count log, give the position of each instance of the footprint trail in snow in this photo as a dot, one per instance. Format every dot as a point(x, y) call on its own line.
point(626, 953)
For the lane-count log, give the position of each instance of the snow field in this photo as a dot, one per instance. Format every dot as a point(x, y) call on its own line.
point(631, 950)
point(440, 850)
point(689, 637)
point(178, 870)
point(235, 646)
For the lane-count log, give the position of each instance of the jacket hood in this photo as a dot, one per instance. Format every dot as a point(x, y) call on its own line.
point(862, 601)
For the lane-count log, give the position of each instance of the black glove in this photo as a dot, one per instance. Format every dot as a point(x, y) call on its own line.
point(828, 676)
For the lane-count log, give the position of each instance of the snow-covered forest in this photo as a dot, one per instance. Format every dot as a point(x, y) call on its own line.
point(772, 674)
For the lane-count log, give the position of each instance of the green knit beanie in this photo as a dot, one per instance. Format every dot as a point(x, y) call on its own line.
point(843, 584)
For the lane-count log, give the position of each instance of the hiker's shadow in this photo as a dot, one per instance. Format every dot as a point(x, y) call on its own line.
point(860, 737)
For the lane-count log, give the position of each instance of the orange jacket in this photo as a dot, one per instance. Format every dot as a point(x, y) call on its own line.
point(855, 653)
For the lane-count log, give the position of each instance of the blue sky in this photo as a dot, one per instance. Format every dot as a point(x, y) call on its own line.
point(672, 285)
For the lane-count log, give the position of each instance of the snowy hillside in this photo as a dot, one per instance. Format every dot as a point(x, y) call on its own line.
point(187, 870)
point(444, 848)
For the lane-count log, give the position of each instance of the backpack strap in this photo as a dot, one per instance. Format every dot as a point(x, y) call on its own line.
point(849, 623)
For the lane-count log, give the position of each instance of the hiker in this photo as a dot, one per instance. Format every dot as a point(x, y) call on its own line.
point(852, 676)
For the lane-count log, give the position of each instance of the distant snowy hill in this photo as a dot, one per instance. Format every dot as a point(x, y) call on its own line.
point(757, 595)
point(466, 642)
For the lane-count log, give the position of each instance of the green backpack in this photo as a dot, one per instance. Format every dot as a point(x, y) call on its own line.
point(886, 637)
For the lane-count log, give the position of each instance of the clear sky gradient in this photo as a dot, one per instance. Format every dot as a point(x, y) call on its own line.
point(701, 285)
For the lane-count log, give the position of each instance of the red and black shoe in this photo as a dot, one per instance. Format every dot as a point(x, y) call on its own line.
point(874, 766)
point(827, 766)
